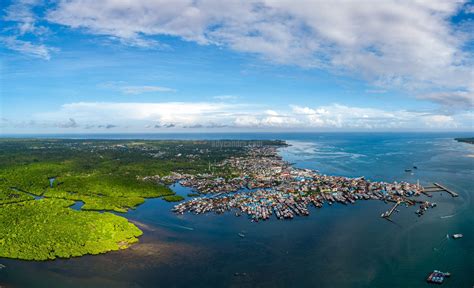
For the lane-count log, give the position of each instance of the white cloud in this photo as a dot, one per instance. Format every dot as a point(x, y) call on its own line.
point(135, 89)
point(391, 43)
point(21, 21)
point(163, 113)
point(440, 121)
point(454, 99)
point(143, 89)
point(21, 12)
point(341, 116)
point(192, 115)
point(28, 48)
point(226, 97)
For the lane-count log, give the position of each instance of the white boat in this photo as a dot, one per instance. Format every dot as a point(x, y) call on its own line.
point(457, 236)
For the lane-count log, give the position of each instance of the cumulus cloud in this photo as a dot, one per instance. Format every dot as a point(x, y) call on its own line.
point(340, 116)
point(454, 99)
point(439, 121)
point(164, 113)
point(203, 115)
point(411, 44)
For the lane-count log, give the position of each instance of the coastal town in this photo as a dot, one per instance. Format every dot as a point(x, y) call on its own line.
point(265, 185)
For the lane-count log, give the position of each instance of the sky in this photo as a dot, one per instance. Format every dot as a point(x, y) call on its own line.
point(148, 66)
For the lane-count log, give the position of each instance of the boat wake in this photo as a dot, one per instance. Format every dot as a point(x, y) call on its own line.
point(175, 226)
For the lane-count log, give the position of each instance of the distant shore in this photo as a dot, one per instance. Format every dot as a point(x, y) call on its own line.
point(469, 140)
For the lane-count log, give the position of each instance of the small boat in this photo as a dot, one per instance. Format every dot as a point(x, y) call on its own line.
point(457, 236)
point(414, 167)
point(408, 170)
point(437, 277)
point(242, 235)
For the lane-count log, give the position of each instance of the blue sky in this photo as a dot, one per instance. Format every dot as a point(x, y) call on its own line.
point(164, 66)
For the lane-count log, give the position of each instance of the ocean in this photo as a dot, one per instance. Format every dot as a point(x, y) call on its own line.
point(336, 246)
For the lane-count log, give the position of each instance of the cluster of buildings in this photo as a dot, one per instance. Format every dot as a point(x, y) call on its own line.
point(267, 185)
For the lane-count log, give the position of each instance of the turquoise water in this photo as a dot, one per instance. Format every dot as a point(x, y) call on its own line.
point(336, 246)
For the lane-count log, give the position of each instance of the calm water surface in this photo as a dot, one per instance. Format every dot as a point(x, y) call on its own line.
point(336, 246)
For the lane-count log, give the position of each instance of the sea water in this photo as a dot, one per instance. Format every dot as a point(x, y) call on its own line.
point(336, 246)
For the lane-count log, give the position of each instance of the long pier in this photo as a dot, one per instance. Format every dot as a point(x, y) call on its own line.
point(452, 193)
point(389, 212)
point(439, 188)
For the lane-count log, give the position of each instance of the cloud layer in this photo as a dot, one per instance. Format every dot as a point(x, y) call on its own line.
point(413, 46)
point(192, 115)
point(409, 44)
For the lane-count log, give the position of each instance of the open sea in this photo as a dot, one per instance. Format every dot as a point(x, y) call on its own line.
point(336, 246)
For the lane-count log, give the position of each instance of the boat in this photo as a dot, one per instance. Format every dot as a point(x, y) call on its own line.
point(408, 170)
point(242, 235)
point(437, 277)
point(457, 236)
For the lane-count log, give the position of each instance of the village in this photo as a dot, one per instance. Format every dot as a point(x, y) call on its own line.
point(267, 185)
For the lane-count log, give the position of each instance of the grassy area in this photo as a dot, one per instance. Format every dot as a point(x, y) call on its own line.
point(173, 198)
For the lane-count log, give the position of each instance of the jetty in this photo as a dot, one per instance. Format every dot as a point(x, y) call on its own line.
point(439, 188)
point(389, 212)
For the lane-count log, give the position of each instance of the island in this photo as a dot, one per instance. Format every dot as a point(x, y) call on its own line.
point(469, 140)
point(57, 195)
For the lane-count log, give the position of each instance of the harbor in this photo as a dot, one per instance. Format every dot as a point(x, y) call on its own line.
point(266, 186)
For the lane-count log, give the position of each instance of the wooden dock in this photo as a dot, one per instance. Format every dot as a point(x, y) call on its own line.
point(452, 193)
point(389, 212)
point(439, 188)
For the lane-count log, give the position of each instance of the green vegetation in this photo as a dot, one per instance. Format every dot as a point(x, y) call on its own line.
point(8, 195)
point(465, 140)
point(47, 229)
point(106, 192)
point(173, 198)
point(106, 175)
point(194, 195)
